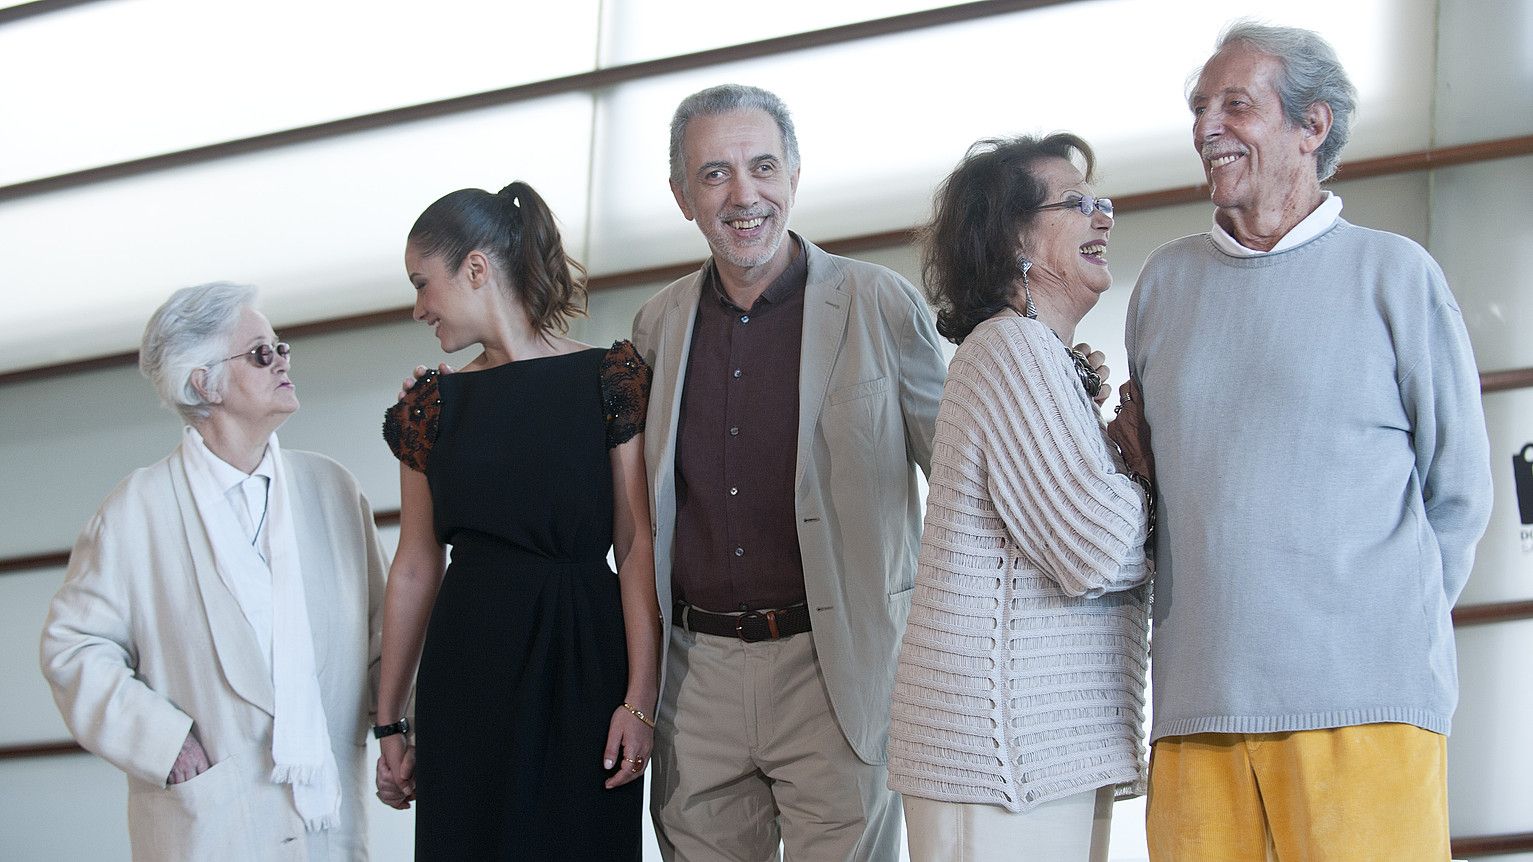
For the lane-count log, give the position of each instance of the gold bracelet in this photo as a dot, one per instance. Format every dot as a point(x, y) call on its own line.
point(639, 715)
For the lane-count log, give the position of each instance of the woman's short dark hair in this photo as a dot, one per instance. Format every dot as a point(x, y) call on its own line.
point(969, 249)
point(517, 231)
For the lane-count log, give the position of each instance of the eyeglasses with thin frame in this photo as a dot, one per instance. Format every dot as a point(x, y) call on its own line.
point(262, 355)
point(1083, 204)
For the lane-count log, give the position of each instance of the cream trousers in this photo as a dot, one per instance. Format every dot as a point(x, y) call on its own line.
point(1072, 829)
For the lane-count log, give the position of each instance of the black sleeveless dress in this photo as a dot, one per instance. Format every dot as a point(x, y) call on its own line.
point(524, 659)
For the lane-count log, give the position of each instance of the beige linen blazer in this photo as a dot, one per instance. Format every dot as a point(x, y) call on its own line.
point(870, 378)
point(144, 642)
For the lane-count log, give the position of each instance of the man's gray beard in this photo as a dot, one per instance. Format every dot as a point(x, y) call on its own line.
point(751, 264)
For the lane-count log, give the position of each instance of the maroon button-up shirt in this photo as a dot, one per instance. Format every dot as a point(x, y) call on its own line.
point(736, 449)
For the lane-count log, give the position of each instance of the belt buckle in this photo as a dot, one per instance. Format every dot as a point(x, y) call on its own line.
point(770, 617)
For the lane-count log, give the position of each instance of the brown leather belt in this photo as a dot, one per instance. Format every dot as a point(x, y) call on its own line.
point(750, 626)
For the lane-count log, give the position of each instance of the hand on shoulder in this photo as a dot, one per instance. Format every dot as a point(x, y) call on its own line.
point(419, 372)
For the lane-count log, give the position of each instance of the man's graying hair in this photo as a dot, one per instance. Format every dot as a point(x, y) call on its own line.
point(721, 100)
point(1311, 73)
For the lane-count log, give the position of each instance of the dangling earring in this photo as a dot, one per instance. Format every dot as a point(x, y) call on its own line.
point(1027, 310)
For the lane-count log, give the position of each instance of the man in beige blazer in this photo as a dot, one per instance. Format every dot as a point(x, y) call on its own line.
point(795, 393)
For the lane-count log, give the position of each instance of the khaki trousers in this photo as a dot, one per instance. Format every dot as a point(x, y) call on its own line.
point(749, 756)
point(1073, 829)
point(1366, 793)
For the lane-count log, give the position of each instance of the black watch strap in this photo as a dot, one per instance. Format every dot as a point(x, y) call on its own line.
point(400, 726)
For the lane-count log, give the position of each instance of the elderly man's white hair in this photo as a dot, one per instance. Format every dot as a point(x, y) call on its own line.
point(1311, 72)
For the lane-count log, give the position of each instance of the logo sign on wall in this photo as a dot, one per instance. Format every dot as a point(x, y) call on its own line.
point(1522, 470)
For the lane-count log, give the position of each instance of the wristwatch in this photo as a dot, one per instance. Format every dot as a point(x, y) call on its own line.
point(400, 726)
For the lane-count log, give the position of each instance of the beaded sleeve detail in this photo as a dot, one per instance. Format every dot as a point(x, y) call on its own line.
point(410, 426)
point(625, 380)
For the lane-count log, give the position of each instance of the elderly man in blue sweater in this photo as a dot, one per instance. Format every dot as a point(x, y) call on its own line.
point(1324, 475)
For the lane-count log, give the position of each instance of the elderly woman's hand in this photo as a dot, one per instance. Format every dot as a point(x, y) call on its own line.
point(418, 373)
point(1131, 432)
point(190, 763)
point(630, 738)
point(1098, 362)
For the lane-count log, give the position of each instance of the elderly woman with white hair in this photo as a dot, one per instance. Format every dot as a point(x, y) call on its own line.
point(217, 629)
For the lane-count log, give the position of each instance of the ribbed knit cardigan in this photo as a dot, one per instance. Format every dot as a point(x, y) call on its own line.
point(1021, 675)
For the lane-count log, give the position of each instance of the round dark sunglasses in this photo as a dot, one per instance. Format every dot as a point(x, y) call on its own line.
point(262, 355)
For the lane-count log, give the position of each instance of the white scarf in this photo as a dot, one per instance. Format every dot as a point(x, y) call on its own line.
point(300, 734)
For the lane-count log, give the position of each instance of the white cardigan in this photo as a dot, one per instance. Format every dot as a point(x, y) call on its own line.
point(144, 641)
point(1021, 675)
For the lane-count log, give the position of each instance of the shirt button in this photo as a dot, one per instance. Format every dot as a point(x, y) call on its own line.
point(737, 373)
point(739, 552)
point(733, 491)
point(745, 318)
point(734, 431)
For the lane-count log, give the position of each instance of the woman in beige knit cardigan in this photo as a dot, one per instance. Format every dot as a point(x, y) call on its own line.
point(1019, 701)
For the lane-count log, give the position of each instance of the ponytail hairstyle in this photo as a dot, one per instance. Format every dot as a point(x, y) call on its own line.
point(516, 230)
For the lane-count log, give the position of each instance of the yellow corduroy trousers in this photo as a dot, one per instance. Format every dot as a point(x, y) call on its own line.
point(1345, 794)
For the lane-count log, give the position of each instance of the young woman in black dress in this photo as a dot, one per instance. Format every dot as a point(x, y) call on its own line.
point(538, 666)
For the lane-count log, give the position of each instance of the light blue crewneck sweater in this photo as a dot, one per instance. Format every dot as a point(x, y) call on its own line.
point(1324, 475)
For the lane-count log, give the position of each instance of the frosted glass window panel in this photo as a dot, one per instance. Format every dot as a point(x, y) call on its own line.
point(64, 444)
point(611, 313)
point(319, 227)
point(1489, 748)
point(30, 716)
point(107, 82)
point(65, 807)
point(1485, 71)
point(1486, 266)
point(635, 30)
point(881, 121)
